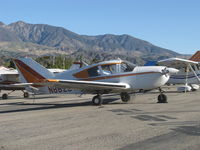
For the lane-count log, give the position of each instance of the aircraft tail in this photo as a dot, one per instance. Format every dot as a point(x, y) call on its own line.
point(32, 72)
point(196, 57)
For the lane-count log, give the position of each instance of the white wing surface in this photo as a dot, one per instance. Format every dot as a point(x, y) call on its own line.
point(176, 62)
point(85, 85)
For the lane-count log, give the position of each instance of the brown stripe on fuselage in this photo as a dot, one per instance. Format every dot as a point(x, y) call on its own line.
point(116, 76)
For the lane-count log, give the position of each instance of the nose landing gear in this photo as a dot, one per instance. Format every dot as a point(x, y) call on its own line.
point(162, 98)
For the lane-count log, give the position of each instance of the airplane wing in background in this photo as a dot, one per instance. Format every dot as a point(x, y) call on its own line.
point(8, 72)
point(177, 62)
point(190, 71)
point(16, 85)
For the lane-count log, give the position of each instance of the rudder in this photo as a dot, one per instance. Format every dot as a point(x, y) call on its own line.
point(31, 71)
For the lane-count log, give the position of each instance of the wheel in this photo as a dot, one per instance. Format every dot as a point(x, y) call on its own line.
point(5, 96)
point(26, 94)
point(193, 90)
point(162, 98)
point(125, 97)
point(97, 100)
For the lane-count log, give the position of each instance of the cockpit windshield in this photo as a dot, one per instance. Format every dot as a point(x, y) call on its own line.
point(112, 67)
point(126, 66)
point(117, 68)
point(109, 69)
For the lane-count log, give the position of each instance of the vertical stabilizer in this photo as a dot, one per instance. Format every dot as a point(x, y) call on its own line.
point(31, 71)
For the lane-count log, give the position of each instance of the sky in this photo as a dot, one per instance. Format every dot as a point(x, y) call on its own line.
point(171, 24)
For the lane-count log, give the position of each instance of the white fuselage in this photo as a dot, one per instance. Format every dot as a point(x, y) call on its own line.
point(189, 75)
point(141, 78)
point(184, 77)
point(106, 76)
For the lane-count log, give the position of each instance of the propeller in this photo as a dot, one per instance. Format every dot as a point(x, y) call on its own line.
point(167, 71)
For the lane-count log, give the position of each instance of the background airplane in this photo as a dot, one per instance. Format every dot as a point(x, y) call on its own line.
point(189, 72)
point(10, 76)
point(115, 76)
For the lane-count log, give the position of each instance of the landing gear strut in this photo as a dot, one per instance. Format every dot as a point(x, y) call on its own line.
point(97, 100)
point(125, 97)
point(162, 98)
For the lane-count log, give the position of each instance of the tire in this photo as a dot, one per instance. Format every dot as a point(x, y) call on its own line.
point(125, 97)
point(193, 90)
point(5, 96)
point(162, 98)
point(26, 94)
point(97, 100)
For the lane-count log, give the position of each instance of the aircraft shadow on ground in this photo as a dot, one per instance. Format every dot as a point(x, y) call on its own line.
point(10, 98)
point(44, 106)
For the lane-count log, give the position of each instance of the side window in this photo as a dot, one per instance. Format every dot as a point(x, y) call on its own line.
point(197, 67)
point(185, 69)
point(126, 67)
point(93, 72)
point(106, 69)
point(193, 67)
point(109, 69)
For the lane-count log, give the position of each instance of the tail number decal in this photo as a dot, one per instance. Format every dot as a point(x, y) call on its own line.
point(58, 90)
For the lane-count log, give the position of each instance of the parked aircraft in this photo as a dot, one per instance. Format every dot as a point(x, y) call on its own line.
point(9, 77)
point(115, 76)
point(189, 72)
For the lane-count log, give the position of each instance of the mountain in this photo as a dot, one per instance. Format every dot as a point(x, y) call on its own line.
point(6, 35)
point(60, 40)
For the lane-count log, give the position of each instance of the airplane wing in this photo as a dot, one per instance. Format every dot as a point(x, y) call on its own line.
point(176, 62)
point(85, 85)
point(16, 85)
point(74, 84)
point(8, 72)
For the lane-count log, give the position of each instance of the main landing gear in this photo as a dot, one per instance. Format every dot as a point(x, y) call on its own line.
point(97, 100)
point(125, 97)
point(26, 95)
point(162, 98)
point(5, 95)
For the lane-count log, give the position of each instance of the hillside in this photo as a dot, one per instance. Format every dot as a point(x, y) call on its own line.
point(42, 39)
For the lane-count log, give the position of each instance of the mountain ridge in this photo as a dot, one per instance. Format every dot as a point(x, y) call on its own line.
point(61, 39)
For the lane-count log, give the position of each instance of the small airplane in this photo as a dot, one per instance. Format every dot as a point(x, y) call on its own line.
point(114, 76)
point(189, 72)
point(10, 76)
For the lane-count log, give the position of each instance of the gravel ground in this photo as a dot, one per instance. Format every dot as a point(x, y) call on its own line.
point(71, 122)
